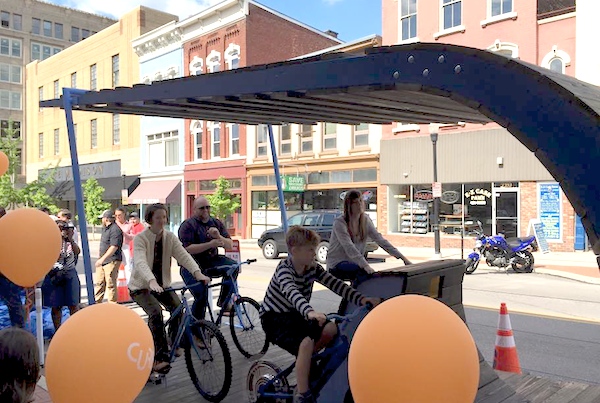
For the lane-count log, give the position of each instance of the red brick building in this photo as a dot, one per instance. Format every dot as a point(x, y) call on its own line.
point(486, 174)
point(230, 35)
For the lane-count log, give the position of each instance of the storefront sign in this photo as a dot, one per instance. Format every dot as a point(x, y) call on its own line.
point(108, 169)
point(423, 195)
point(292, 183)
point(549, 210)
point(478, 197)
point(450, 197)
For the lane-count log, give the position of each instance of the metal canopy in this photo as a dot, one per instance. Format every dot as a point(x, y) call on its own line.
point(555, 116)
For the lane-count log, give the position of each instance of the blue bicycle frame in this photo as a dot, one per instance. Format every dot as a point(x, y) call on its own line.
point(324, 363)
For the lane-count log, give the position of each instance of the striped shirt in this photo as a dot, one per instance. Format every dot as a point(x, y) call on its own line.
point(288, 291)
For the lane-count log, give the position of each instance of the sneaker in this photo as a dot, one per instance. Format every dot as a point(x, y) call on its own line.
point(227, 310)
point(305, 397)
point(179, 352)
point(161, 366)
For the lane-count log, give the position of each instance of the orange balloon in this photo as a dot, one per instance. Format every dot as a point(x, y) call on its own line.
point(3, 163)
point(104, 353)
point(29, 245)
point(413, 348)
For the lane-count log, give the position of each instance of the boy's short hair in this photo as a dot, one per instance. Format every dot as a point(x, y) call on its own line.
point(298, 235)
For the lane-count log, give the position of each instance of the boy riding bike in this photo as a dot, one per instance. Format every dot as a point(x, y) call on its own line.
point(287, 318)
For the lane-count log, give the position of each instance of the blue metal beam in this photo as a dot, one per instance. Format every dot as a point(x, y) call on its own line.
point(69, 97)
point(284, 222)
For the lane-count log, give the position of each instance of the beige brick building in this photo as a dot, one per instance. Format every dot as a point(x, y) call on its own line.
point(30, 30)
point(108, 145)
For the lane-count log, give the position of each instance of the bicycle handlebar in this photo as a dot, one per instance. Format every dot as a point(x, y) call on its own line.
point(229, 273)
point(340, 318)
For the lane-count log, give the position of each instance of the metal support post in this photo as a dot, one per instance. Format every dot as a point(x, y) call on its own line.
point(70, 94)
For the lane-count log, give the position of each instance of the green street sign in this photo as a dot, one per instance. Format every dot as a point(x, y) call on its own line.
point(292, 183)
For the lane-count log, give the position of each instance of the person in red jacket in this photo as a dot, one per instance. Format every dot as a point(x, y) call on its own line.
point(136, 228)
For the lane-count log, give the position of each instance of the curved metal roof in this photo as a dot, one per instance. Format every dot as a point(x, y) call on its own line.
point(557, 117)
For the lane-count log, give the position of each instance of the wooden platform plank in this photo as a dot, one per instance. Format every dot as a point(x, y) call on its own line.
point(591, 394)
point(567, 392)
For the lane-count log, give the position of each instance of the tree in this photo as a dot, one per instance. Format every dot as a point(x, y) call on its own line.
point(94, 203)
point(13, 194)
point(223, 203)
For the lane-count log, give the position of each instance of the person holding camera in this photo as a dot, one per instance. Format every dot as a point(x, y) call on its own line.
point(61, 286)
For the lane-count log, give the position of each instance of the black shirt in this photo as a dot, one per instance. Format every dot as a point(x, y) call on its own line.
point(111, 236)
point(194, 231)
point(157, 269)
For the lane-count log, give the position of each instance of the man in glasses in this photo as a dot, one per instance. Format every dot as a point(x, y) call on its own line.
point(201, 235)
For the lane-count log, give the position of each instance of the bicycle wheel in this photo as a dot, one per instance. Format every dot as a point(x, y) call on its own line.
point(246, 329)
point(261, 373)
point(208, 361)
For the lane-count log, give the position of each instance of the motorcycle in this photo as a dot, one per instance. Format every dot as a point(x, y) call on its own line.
point(501, 252)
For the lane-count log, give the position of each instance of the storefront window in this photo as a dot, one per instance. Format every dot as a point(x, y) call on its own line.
point(411, 208)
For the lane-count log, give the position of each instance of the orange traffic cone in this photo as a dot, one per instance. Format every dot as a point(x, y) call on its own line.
point(505, 353)
point(122, 290)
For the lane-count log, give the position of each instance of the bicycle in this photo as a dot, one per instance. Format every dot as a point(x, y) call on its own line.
point(244, 319)
point(267, 383)
point(204, 348)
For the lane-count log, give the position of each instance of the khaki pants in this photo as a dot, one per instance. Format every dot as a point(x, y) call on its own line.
point(105, 279)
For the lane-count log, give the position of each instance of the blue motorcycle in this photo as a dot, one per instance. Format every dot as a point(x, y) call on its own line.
point(501, 252)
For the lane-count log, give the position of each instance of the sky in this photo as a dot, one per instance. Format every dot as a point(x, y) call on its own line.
point(351, 19)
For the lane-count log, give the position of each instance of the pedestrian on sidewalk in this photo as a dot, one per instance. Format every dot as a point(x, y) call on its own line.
point(61, 286)
point(136, 228)
point(347, 246)
point(154, 247)
point(19, 365)
point(10, 293)
point(123, 222)
point(202, 235)
point(107, 265)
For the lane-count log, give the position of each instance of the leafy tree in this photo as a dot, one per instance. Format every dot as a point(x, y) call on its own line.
point(94, 203)
point(223, 203)
point(10, 195)
point(14, 194)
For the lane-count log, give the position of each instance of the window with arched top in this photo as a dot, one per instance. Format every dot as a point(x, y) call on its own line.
point(232, 56)
point(196, 66)
point(158, 76)
point(556, 60)
point(213, 62)
point(196, 131)
point(506, 49)
point(146, 80)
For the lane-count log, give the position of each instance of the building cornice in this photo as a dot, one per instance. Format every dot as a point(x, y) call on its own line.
point(156, 40)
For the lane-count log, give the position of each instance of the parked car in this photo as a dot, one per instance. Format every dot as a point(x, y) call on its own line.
point(272, 241)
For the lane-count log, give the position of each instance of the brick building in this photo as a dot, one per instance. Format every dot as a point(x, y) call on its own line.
point(486, 174)
point(230, 35)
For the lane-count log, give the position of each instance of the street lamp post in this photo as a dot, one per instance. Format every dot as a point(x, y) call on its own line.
point(435, 225)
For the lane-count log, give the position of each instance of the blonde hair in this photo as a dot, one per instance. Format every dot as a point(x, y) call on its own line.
point(297, 235)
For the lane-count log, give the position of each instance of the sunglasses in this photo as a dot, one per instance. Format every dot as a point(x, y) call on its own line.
point(204, 208)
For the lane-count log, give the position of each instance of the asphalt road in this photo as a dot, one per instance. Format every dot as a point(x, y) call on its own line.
point(556, 321)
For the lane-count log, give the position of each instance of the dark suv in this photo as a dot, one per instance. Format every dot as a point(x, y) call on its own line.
point(272, 241)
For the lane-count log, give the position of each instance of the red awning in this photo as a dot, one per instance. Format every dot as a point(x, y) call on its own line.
point(150, 192)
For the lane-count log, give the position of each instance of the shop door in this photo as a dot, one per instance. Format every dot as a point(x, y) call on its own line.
point(505, 209)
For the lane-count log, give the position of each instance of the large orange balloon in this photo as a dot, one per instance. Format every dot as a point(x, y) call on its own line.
point(3, 163)
point(29, 245)
point(413, 348)
point(103, 353)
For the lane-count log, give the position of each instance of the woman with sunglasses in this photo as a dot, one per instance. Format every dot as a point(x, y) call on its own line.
point(345, 257)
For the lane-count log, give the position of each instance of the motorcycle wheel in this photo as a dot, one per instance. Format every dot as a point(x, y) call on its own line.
point(524, 262)
point(471, 265)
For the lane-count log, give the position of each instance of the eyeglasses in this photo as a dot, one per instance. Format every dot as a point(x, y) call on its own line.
point(203, 207)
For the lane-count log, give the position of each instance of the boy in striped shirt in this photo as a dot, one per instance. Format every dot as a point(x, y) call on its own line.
point(287, 318)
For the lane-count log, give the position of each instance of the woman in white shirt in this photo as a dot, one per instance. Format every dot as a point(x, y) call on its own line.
point(345, 257)
point(153, 249)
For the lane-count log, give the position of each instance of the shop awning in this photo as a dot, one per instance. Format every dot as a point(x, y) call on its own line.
point(155, 192)
point(64, 190)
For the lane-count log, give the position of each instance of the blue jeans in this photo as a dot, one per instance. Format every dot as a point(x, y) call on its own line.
point(11, 294)
point(349, 271)
point(199, 291)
